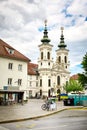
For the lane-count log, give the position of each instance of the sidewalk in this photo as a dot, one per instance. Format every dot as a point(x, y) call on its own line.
point(30, 110)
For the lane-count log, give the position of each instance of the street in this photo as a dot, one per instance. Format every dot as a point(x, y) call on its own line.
point(65, 120)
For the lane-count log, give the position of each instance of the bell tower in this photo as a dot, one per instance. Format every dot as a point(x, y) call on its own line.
point(45, 63)
point(62, 53)
point(45, 60)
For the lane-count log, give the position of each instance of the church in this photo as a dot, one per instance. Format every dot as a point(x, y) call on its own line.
point(52, 74)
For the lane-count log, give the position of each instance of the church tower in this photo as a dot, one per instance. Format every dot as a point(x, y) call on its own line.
point(62, 62)
point(45, 63)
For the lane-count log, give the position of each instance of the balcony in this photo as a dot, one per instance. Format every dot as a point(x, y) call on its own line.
point(14, 88)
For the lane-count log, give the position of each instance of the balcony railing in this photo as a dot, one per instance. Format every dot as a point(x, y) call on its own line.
point(11, 88)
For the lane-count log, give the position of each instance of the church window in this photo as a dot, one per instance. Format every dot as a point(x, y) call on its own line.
point(49, 63)
point(59, 59)
point(49, 82)
point(58, 80)
point(48, 55)
point(41, 63)
point(41, 55)
point(65, 59)
point(40, 82)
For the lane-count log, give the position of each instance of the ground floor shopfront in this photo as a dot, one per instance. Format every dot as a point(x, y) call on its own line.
point(11, 97)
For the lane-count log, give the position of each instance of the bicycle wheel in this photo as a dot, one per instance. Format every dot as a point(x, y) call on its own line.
point(43, 107)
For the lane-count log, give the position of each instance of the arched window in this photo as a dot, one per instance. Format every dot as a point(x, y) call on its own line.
point(49, 93)
point(65, 59)
point(41, 55)
point(58, 80)
point(40, 92)
point(49, 82)
point(40, 82)
point(48, 55)
point(59, 59)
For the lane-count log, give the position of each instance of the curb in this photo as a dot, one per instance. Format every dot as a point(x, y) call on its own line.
point(36, 117)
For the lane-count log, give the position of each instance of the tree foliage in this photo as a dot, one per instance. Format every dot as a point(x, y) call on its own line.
point(83, 77)
point(73, 86)
point(84, 63)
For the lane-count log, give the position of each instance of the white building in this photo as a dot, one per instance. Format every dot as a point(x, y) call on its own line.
point(32, 80)
point(52, 75)
point(13, 73)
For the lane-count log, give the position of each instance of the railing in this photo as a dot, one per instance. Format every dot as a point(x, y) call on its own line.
point(11, 88)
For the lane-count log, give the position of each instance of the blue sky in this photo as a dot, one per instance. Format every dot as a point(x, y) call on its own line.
point(22, 23)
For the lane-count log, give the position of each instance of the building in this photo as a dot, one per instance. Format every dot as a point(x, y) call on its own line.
point(32, 80)
point(13, 73)
point(52, 74)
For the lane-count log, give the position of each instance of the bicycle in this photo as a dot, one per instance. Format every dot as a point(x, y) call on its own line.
point(46, 106)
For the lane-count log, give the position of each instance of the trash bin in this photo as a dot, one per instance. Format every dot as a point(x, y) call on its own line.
point(69, 102)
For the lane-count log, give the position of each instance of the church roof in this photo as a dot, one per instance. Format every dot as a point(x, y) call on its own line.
point(62, 43)
point(74, 77)
point(6, 51)
point(45, 38)
point(32, 69)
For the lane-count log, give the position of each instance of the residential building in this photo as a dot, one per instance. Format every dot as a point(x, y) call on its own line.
point(13, 73)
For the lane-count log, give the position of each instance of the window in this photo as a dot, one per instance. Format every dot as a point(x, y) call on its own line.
point(10, 50)
point(19, 82)
point(49, 63)
point(36, 84)
point(30, 83)
point(49, 82)
point(48, 55)
point(58, 80)
point(40, 82)
point(10, 66)
point(36, 77)
point(59, 59)
point(41, 55)
point(9, 81)
point(19, 67)
point(65, 59)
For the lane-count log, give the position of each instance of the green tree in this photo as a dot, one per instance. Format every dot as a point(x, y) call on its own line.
point(83, 77)
point(73, 86)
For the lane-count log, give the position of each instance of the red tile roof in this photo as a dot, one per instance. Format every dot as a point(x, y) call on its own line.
point(74, 77)
point(32, 69)
point(16, 55)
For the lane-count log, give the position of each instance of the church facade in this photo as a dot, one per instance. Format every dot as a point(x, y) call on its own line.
point(52, 74)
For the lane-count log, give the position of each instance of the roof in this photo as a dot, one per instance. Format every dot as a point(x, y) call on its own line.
point(74, 77)
point(32, 69)
point(7, 51)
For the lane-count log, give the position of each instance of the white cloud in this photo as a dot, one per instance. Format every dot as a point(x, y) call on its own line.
point(20, 21)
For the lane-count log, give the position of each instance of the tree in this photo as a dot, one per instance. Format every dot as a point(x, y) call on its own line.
point(73, 86)
point(83, 77)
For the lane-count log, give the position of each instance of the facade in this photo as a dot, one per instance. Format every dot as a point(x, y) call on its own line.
point(32, 80)
point(52, 74)
point(13, 73)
